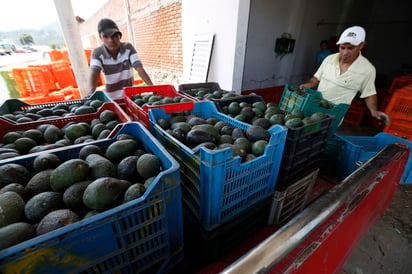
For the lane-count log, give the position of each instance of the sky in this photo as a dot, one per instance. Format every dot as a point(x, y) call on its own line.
point(17, 14)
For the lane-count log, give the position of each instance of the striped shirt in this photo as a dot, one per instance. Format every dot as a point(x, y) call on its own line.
point(118, 73)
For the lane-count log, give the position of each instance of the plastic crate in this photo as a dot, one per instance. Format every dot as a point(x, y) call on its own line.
point(141, 113)
point(359, 149)
point(11, 105)
point(63, 73)
point(203, 247)
point(251, 98)
point(329, 158)
point(7, 126)
point(400, 104)
point(145, 234)
point(355, 115)
point(217, 186)
point(308, 102)
point(400, 82)
point(189, 89)
point(31, 81)
point(10, 83)
point(303, 149)
point(287, 203)
point(400, 128)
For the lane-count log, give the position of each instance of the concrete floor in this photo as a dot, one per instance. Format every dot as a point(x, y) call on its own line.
point(387, 247)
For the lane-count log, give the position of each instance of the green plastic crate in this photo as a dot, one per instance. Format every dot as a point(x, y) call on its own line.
point(10, 83)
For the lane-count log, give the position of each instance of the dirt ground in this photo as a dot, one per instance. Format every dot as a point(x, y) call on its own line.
point(387, 247)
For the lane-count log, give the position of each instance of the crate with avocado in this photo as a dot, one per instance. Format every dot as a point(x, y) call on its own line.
point(138, 101)
point(311, 101)
point(19, 112)
point(306, 137)
point(41, 135)
point(226, 165)
point(114, 204)
point(205, 91)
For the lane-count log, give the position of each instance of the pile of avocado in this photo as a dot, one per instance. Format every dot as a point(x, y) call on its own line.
point(51, 194)
point(40, 113)
point(206, 93)
point(266, 115)
point(195, 132)
point(48, 136)
point(151, 99)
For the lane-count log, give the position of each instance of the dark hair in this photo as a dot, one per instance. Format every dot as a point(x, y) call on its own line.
point(324, 42)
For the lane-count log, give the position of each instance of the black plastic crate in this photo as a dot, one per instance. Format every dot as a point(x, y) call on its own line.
point(292, 200)
point(202, 246)
point(250, 98)
point(303, 148)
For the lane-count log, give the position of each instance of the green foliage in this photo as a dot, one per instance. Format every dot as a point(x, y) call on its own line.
point(26, 39)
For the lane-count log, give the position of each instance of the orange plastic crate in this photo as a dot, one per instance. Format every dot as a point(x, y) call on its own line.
point(48, 75)
point(400, 82)
point(31, 81)
point(400, 105)
point(63, 74)
point(400, 128)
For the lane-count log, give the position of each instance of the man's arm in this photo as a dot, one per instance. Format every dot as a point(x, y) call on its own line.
point(313, 82)
point(144, 76)
point(93, 81)
point(372, 104)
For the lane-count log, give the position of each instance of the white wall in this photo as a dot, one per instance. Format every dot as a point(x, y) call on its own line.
point(228, 20)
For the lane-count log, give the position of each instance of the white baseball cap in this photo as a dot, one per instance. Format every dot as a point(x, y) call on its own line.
point(353, 35)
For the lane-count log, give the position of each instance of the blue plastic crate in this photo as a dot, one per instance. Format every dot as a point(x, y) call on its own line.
point(11, 105)
point(145, 234)
point(359, 149)
point(217, 186)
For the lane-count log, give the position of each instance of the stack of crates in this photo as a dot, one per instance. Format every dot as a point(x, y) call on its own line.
point(63, 73)
point(144, 235)
point(220, 192)
point(399, 110)
point(356, 113)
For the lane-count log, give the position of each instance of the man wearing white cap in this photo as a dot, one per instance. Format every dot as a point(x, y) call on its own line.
point(342, 75)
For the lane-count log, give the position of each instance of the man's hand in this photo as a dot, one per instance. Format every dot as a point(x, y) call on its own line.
point(382, 116)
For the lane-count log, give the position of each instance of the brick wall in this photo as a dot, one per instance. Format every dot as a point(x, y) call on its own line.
point(157, 32)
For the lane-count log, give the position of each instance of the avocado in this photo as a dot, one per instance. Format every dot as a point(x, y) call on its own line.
point(294, 123)
point(11, 208)
point(263, 122)
point(18, 188)
point(56, 219)
point(133, 192)
point(24, 144)
point(127, 169)
point(39, 183)
point(45, 161)
point(103, 193)
point(68, 173)
point(15, 233)
point(14, 173)
point(75, 131)
point(148, 165)
point(107, 116)
point(73, 195)
point(258, 147)
point(118, 150)
point(197, 136)
point(89, 149)
point(41, 204)
point(100, 166)
point(52, 134)
point(10, 137)
point(255, 133)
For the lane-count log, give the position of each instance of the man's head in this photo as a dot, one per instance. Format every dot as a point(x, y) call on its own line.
point(108, 27)
point(354, 35)
point(351, 41)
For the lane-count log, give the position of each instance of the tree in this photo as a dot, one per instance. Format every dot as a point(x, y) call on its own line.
point(26, 39)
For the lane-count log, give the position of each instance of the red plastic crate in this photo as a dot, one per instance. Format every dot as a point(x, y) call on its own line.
point(400, 105)
point(400, 128)
point(6, 126)
point(356, 113)
point(142, 114)
point(400, 82)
